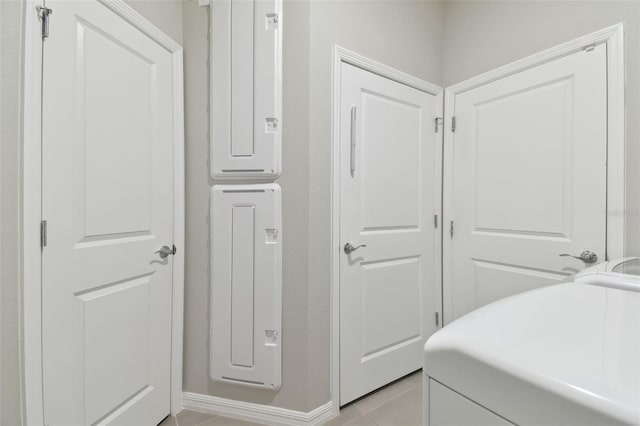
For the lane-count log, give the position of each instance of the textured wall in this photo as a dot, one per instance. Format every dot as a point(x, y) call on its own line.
point(402, 34)
point(482, 35)
point(11, 21)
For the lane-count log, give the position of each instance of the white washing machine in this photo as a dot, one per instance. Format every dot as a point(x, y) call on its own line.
point(567, 354)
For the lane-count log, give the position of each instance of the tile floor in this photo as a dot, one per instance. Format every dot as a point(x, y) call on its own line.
point(397, 404)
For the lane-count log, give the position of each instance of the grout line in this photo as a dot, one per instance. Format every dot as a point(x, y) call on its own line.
point(213, 416)
point(409, 389)
point(372, 421)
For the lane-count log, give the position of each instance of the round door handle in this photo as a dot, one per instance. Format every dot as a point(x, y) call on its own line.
point(349, 248)
point(165, 251)
point(586, 256)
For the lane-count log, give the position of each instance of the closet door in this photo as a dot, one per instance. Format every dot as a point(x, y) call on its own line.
point(107, 260)
point(525, 180)
point(389, 190)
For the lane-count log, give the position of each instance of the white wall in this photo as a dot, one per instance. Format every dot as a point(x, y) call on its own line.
point(482, 35)
point(402, 34)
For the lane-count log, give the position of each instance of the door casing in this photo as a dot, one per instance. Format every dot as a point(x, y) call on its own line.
point(33, 408)
point(613, 38)
point(340, 56)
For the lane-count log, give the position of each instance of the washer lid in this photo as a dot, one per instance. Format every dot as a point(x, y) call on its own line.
point(629, 266)
point(563, 354)
point(621, 273)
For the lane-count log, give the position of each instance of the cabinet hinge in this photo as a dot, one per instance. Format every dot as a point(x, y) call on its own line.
point(451, 228)
point(272, 21)
point(453, 124)
point(589, 48)
point(44, 13)
point(438, 121)
point(435, 220)
point(437, 318)
point(43, 234)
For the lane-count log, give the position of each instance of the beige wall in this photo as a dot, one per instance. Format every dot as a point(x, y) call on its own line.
point(164, 14)
point(482, 35)
point(11, 21)
point(402, 34)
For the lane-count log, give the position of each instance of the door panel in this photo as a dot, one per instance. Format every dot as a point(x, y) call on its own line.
point(388, 176)
point(527, 164)
point(108, 202)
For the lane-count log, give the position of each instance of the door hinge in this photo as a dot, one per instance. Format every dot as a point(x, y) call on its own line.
point(43, 234)
point(44, 13)
point(453, 124)
point(451, 228)
point(435, 220)
point(437, 120)
point(437, 318)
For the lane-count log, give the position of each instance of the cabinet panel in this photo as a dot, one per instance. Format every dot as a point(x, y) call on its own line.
point(246, 291)
point(246, 89)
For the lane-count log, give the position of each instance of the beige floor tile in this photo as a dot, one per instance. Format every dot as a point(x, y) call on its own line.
point(192, 418)
point(347, 414)
point(404, 410)
point(361, 421)
point(414, 379)
point(169, 421)
point(378, 398)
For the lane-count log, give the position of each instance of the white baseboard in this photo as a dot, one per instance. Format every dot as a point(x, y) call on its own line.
point(255, 412)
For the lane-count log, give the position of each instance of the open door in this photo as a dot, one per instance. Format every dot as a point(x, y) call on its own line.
point(526, 180)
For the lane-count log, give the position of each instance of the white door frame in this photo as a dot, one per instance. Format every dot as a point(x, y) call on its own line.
point(613, 37)
point(33, 408)
point(340, 56)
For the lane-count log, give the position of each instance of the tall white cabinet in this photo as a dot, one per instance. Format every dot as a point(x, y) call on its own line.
point(246, 216)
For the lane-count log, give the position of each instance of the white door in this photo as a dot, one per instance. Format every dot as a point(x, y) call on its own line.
point(108, 202)
point(526, 173)
point(388, 197)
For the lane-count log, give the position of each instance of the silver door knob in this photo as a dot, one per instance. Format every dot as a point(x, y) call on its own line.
point(165, 251)
point(586, 256)
point(349, 248)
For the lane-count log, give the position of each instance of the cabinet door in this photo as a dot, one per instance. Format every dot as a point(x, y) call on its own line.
point(246, 89)
point(246, 293)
